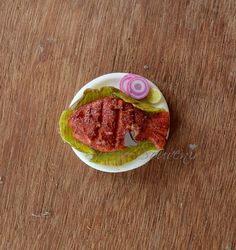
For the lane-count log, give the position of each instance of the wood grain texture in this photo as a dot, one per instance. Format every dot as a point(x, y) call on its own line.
point(48, 198)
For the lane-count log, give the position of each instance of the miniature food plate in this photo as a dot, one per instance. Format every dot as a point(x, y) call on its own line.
point(113, 80)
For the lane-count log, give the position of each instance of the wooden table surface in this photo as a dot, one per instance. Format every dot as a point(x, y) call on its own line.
point(49, 199)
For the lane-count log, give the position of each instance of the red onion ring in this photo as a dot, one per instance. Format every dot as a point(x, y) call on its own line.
point(134, 92)
point(124, 83)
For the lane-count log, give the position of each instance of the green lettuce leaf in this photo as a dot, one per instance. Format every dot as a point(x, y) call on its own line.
point(91, 95)
point(120, 157)
point(145, 106)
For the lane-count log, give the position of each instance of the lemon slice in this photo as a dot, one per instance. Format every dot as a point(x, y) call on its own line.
point(154, 96)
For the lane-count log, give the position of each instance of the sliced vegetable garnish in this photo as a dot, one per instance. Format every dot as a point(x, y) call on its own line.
point(138, 87)
point(126, 155)
point(154, 96)
point(67, 135)
point(134, 85)
point(124, 83)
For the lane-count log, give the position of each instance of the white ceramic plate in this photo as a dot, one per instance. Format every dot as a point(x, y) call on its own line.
point(113, 79)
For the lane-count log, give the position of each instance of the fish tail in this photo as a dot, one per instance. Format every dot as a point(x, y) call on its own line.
point(156, 129)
